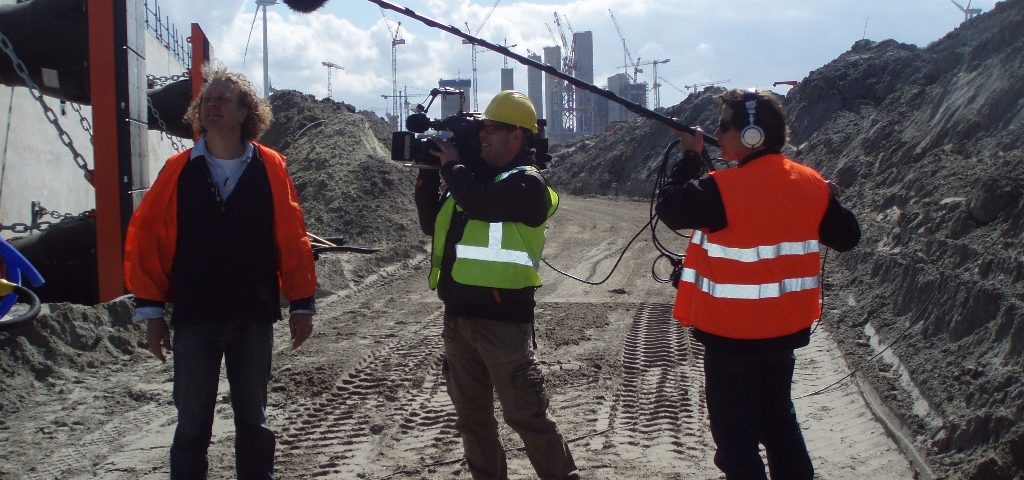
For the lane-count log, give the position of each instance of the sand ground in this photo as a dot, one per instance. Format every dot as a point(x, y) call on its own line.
point(364, 398)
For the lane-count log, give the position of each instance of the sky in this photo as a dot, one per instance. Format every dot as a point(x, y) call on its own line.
point(737, 43)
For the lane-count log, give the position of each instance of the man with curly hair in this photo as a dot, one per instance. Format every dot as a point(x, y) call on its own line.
point(220, 234)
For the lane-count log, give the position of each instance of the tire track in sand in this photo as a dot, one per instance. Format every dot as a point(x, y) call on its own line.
point(335, 436)
point(660, 411)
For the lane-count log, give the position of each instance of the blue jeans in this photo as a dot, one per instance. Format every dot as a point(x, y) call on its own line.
point(246, 348)
point(749, 402)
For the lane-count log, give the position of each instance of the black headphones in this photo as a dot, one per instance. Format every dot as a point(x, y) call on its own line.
point(752, 136)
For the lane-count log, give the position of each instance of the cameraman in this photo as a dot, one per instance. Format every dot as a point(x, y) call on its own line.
point(488, 227)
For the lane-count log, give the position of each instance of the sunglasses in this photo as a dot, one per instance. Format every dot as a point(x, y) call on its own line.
point(497, 127)
point(724, 125)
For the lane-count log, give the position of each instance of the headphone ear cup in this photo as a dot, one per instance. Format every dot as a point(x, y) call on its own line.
point(752, 136)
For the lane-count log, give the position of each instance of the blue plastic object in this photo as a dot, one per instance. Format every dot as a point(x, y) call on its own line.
point(17, 265)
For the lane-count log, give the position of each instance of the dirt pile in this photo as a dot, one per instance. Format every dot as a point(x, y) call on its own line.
point(624, 162)
point(339, 161)
point(928, 144)
point(65, 340)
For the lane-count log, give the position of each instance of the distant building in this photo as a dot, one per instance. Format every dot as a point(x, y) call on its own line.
point(535, 86)
point(621, 85)
point(553, 92)
point(583, 102)
point(508, 79)
point(452, 104)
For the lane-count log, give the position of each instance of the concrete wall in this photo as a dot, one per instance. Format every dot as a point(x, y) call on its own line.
point(35, 165)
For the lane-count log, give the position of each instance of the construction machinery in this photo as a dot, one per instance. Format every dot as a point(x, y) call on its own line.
point(697, 86)
point(401, 103)
point(627, 55)
point(330, 66)
point(551, 70)
point(568, 93)
point(476, 102)
point(396, 40)
point(655, 86)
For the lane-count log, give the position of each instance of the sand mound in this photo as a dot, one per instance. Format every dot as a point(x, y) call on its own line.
point(929, 145)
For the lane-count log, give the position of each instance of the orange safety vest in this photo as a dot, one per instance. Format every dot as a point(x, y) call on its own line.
point(153, 231)
point(758, 277)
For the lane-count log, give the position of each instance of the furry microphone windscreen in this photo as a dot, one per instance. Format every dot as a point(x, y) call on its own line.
point(305, 6)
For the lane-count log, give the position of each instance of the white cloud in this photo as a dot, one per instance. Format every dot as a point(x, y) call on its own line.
point(750, 42)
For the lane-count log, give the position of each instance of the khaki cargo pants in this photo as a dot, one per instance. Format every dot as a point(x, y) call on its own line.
point(483, 356)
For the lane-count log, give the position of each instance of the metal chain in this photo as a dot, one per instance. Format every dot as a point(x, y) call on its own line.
point(86, 124)
point(51, 116)
point(16, 228)
point(39, 211)
point(154, 81)
point(42, 211)
point(175, 144)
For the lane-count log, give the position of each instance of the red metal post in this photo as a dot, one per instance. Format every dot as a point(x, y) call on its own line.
point(102, 76)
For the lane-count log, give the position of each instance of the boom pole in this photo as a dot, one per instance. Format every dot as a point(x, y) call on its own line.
point(633, 107)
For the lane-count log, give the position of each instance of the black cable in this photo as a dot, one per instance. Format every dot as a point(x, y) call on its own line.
point(33, 311)
point(899, 337)
point(664, 252)
point(605, 279)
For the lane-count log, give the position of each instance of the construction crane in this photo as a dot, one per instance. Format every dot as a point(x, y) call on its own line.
point(627, 56)
point(655, 86)
point(476, 102)
point(568, 92)
point(396, 40)
point(969, 12)
point(505, 44)
point(569, 60)
point(673, 85)
point(697, 86)
point(400, 98)
point(330, 66)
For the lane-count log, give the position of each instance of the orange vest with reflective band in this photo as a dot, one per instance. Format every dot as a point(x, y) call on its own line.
point(758, 277)
point(150, 242)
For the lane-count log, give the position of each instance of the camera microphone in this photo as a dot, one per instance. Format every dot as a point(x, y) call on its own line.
point(417, 122)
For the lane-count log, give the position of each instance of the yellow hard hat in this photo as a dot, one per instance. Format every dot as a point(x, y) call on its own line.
point(513, 108)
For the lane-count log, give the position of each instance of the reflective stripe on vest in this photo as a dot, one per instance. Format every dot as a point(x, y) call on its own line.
point(748, 292)
point(493, 251)
point(754, 254)
point(497, 255)
point(758, 277)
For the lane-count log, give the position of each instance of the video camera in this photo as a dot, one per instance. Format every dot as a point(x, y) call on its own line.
point(461, 129)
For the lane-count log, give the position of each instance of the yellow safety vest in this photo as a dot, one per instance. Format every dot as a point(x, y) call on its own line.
point(497, 255)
